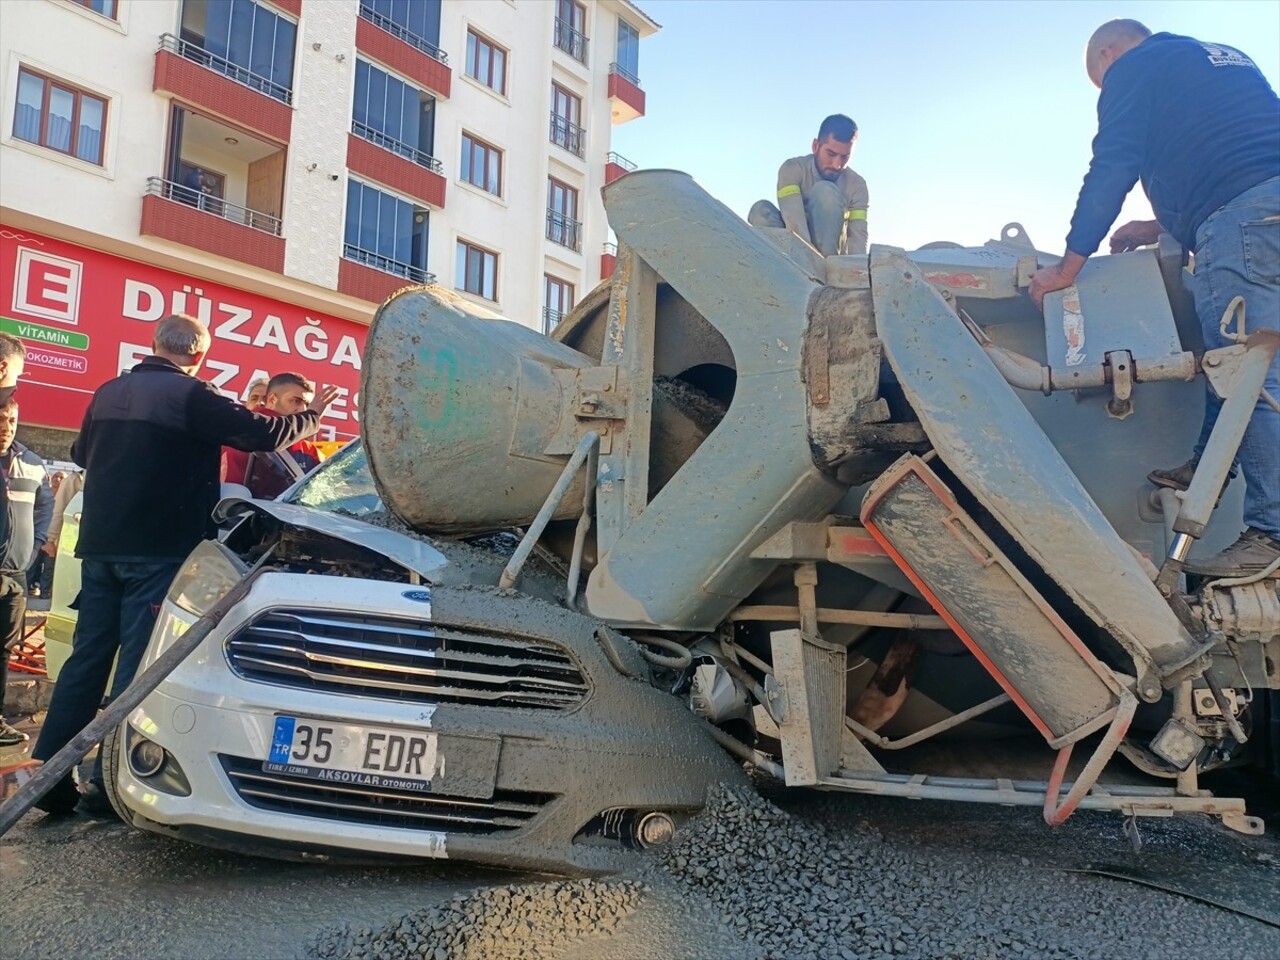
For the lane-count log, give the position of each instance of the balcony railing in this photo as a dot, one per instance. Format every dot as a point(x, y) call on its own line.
point(550, 318)
point(401, 33)
point(233, 71)
point(179, 193)
point(571, 41)
point(625, 74)
point(386, 264)
point(610, 249)
point(619, 160)
point(568, 135)
point(412, 154)
point(564, 230)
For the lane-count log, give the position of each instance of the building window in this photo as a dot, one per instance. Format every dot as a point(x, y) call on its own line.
point(557, 300)
point(486, 62)
point(481, 165)
point(394, 115)
point(416, 22)
point(477, 270)
point(571, 29)
point(244, 40)
point(562, 215)
point(566, 113)
point(628, 63)
point(386, 232)
point(59, 117)
point(105, 7)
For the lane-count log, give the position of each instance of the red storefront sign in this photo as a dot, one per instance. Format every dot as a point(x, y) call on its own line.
point(86, 316)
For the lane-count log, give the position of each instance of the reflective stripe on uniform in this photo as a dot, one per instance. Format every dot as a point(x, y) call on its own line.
point(791, 190)
point(855, 214)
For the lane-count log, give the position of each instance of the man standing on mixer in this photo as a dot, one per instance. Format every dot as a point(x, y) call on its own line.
point(1200, 126)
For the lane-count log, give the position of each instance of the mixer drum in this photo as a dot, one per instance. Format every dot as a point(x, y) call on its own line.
point(458, 408)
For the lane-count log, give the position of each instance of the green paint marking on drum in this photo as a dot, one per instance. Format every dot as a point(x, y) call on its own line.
point(452, 409)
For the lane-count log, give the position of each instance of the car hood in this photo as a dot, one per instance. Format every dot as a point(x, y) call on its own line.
point(439, 562)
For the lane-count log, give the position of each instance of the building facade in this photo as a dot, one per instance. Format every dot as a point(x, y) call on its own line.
point(278, 167)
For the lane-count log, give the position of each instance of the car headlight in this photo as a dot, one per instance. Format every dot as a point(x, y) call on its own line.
point(205, 578)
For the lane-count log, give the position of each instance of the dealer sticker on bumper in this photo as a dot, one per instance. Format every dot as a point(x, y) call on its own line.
point(375, 757)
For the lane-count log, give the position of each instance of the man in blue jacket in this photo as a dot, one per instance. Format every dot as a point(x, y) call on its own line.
point(1200, 126)
point(13, 599)
point(28, 510)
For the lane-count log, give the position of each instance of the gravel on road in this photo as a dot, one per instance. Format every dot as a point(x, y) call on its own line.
point(498, 923)
point(822, 881)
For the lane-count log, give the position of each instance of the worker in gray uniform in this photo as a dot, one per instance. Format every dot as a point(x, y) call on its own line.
point(820, 199)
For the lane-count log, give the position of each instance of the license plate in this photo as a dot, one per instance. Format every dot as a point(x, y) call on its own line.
point(376, 757)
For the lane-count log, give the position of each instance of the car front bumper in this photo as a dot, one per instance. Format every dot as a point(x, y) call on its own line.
point(516, 785)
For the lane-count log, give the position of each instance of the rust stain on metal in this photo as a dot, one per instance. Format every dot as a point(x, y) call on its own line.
point(959, 281)
point(849, 543)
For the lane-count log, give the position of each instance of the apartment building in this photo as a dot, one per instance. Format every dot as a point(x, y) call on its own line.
point(278, 167)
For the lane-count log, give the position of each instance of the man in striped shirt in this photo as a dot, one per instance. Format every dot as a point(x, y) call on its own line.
point(820, 199)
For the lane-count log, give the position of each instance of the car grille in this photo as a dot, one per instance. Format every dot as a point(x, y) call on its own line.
point(399, 659)
point(382, 807)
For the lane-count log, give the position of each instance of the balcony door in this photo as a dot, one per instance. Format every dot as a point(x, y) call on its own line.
point(562, 213)
point(566, 119)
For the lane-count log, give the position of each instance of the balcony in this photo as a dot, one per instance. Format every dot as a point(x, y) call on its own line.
point(568, 135)
point(372, 154)
point(550, 318)
point(616, 166)
point(404, 271)
point(217, 85)
point(222, 191)
point(571, 41)
point(402, 50)
point(626, 99)
point(564, 230)
point(608, 260)
point(184, 214)
point(373, 277)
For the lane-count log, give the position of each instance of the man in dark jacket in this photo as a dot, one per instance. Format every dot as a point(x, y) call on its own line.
point(13, 601)
point(151, 447)
point(1199, 125)
point(28, 512)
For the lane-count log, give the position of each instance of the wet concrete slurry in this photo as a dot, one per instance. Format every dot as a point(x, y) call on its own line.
point(82, 887)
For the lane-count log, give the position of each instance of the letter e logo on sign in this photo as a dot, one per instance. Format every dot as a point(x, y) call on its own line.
point(47, 286)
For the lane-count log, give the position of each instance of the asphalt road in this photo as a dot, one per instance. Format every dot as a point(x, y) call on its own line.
point(82, 887)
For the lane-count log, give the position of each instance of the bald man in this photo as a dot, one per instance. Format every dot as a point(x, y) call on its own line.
point(1200, 126)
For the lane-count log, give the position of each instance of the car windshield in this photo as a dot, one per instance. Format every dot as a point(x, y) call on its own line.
point(342, 484)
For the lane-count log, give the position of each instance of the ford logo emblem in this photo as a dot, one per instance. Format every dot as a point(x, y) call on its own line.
point(418, 596)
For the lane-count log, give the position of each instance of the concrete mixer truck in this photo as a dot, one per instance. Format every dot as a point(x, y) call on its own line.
point(870, 524)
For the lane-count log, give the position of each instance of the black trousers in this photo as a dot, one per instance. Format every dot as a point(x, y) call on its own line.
point(40, 574)
point(13, 615)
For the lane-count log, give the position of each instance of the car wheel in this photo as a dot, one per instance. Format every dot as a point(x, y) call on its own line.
point(111, 749)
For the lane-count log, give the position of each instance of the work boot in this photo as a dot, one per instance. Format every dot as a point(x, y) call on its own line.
point(9, 737)
point(61, 799)
point(1179, 478)
point(1176, 478)
point(1254, 552)
point(95, 802)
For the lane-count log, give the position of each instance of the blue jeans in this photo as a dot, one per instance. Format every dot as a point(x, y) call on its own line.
point(117, 608)
point(1238, 254)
